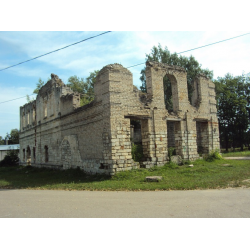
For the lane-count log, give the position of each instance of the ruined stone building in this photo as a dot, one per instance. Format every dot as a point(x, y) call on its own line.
point(56, 132)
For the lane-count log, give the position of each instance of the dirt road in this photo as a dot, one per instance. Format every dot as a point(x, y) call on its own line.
point(224, 203)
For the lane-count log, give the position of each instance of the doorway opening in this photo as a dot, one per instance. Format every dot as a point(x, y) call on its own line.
point(202, 137)
point(174, 136)
point(171, 137)
point(136, 140)
point(28, 156)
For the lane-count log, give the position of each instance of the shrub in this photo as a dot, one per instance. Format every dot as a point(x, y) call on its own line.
point(171, 165)
point(171, 151)
point(213, 155)
point(186, 162)
point(137, 152)
point(10, 159)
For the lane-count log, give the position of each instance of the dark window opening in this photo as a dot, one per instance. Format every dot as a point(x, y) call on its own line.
point(28, 155)
point(136, 140)
point(168, 97)
point(46, 153)
point(171, 137)
point(34, 154)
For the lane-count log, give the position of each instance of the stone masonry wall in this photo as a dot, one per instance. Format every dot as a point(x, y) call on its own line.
point(56, 132)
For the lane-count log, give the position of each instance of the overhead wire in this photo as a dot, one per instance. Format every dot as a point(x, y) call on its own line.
point(127, 67)
point(47, 54)
point(199, 47)
point(57, 50)
point(17, 98)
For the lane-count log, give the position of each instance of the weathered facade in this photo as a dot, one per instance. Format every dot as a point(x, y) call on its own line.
point(56, 132)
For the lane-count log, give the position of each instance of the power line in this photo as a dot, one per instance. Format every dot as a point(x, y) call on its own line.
point(199, 47)
point(214, 43)
point(127, 67)
point(57, 50)
point(17, 98)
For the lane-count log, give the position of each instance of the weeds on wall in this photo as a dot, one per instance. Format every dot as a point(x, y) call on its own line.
point(171, 152)
point(137, 152)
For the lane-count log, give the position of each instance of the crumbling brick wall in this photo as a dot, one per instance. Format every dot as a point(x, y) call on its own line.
point(96, 137)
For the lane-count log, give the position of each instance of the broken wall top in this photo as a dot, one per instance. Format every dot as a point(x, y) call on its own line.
point(54, 82)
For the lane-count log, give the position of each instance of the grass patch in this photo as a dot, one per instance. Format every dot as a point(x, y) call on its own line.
point(203, 175)
point(239, 153)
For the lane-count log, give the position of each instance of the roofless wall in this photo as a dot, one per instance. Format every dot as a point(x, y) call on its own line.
point(57, 132)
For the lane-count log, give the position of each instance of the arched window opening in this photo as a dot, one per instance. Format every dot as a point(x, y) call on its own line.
point(45, 109)
point(34, 154)
point(28, 155)
point(168, 93)
point(196, 95)
point(23, 154)
point(33, 114)
point(66, 154)
point(23, 119)
point(46, 153)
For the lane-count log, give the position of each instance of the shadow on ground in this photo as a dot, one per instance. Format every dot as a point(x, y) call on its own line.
point(31, 177)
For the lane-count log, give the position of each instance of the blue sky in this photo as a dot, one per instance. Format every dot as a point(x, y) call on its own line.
point(127, 48)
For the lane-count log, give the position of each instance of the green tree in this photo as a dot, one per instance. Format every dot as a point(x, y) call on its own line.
point(29, 99)
point(84, 87)
point(13, 137)
point(36, 90)
point(193, 68)
point(1, 140)
point(77, 84)
point(91, 79)
point(38, 86)
point(10, 159)
point(232, 94)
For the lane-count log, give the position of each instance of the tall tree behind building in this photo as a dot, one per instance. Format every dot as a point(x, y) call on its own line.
point(233, 105)
point(192, 66)
point(77, 84)
point(84, 87)
point(13, 136)
point(1, 140)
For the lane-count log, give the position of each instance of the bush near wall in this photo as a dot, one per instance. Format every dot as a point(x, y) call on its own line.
point(137, 152)
point(10, 159)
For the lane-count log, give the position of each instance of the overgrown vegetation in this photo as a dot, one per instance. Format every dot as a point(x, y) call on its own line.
point(233, 105)
point(171, 152)
point(12, 137)
point(213, 155)
point(232, 95)
point(190, 64)
point(137, 152)
point(203, 175)
point(236, 153)
point(83, 86)
point(10, 159)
